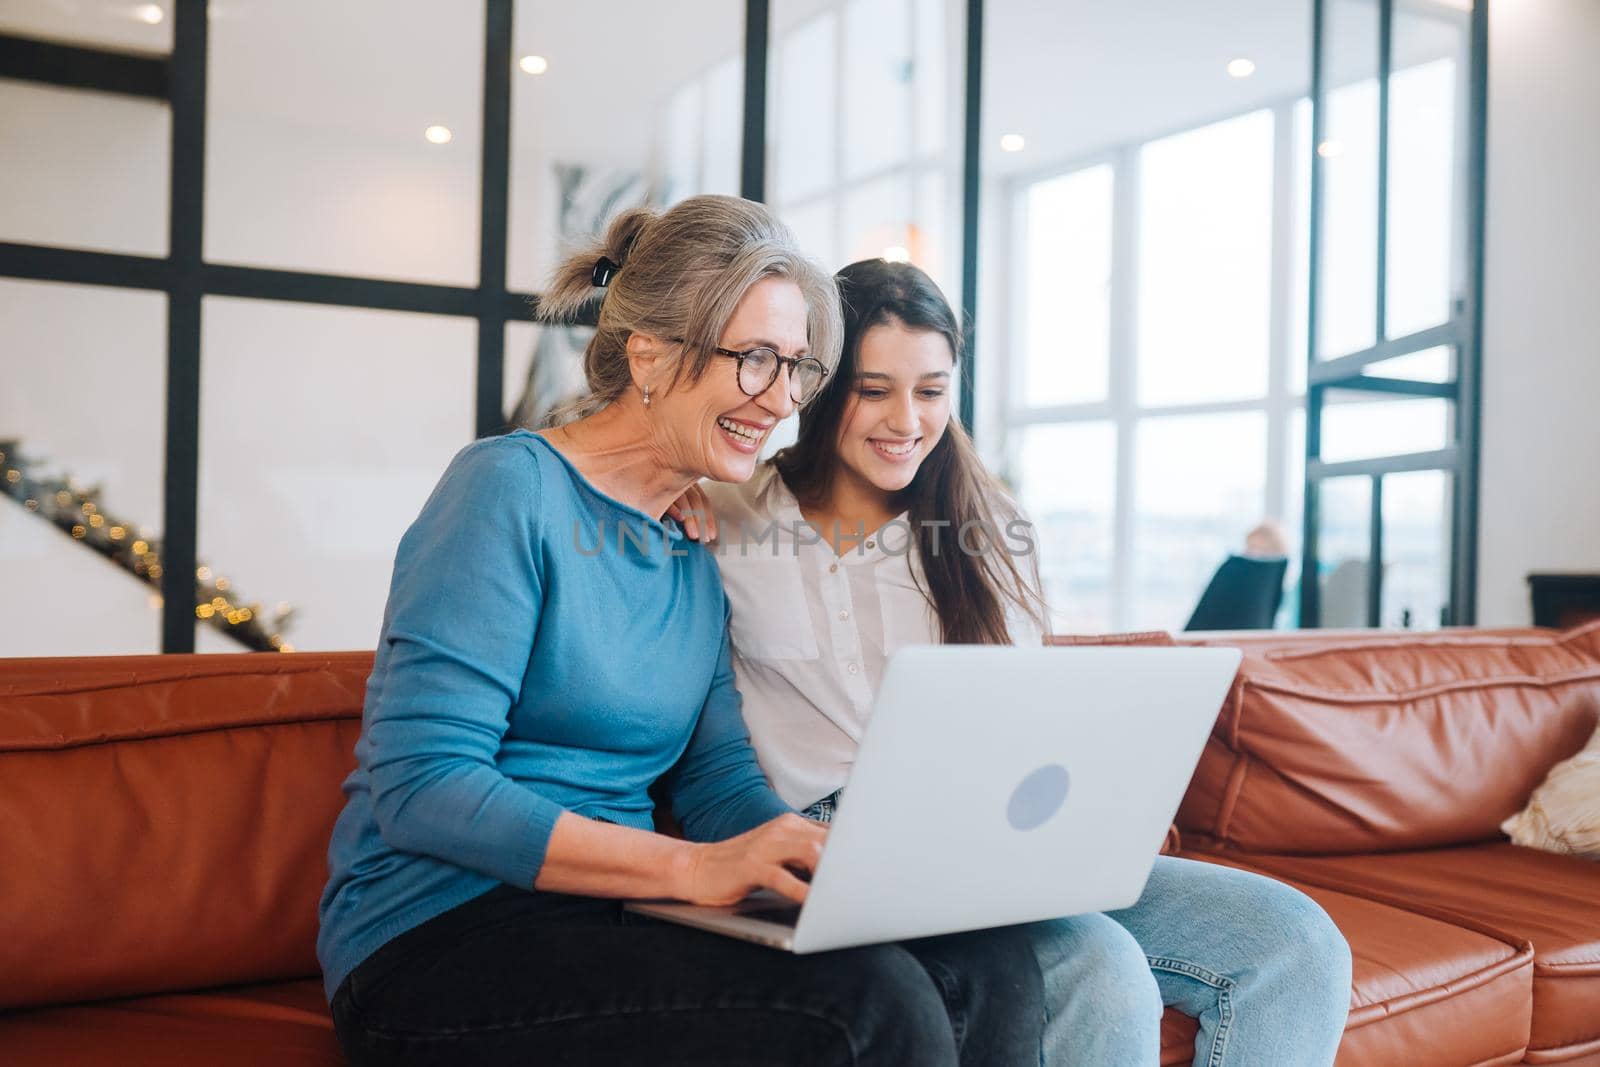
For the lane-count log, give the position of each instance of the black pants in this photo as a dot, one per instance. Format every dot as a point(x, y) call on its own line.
point(517, 977)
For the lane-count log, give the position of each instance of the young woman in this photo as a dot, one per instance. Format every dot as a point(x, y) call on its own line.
point(550, 651)
point(869, 508)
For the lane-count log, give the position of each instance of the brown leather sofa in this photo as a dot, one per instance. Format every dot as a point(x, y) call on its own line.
point(164, 822)
point(1373, 772)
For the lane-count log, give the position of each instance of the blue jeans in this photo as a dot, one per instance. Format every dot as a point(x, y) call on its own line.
point(1257, 962)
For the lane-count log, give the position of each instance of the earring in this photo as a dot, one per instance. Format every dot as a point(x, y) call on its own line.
point(647, 396)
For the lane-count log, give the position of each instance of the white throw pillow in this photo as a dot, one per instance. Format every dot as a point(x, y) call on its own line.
point(1563, 815)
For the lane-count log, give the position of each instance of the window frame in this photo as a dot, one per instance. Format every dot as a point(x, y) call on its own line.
point(1462, 331)
point(187, 278)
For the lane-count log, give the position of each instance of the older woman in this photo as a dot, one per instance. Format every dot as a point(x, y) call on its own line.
point(550, 652)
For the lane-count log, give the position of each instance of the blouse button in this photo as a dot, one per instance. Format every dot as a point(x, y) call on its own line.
point(833, 568)
point(853, 668)
point(844, 614)
point(872, 544)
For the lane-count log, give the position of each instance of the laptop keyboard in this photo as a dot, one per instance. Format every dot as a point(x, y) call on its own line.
point(782, 914)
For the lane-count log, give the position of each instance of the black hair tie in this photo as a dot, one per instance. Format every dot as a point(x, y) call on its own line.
point(604, 270)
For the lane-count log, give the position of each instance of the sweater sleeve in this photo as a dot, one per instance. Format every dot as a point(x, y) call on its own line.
point(716, 788)
point(458, 633)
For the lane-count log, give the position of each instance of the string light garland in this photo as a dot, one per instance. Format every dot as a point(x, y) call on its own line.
point(76, 512)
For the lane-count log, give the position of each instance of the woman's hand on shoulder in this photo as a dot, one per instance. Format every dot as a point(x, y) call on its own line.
point(779, 855)
point(693, 512)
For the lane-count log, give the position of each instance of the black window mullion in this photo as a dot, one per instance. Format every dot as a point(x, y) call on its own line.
point(76, 266)
point(971, 190)
point(1439, 459)
point(495, 177)
point(1380, 314)
point(753, 145)
point(180, 518)
point(1365, 383)
point(75, 67)
point(1310, 586)
point(1469, 356)
point(1375, 555)
point(1351, 365)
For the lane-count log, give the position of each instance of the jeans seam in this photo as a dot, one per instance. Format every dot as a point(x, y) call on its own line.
point(1224, 987)
point(949, 992)
point(383, 1032)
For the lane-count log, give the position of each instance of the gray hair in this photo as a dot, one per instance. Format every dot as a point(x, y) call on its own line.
point(682, 273)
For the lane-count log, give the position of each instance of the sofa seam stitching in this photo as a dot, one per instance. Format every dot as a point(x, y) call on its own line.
point(344, 715)
point(291, 666)
point(1521, 949)
point(1344, 696)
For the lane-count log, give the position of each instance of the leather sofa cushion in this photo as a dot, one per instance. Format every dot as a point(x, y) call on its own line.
point(1427, 991)
point(289, 1023)
point(247, 1026)
point(1388, 742)
point(1550, 901)
point(166, 819)
point(1177, 1038)
point(1157, 638)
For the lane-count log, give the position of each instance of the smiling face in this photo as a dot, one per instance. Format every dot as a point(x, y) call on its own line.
point(901, 406)
point(710, 428)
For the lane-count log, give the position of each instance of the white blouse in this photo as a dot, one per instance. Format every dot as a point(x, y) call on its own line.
point(812, 631)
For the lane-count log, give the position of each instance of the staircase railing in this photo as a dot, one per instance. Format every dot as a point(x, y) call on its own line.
point(76, 511)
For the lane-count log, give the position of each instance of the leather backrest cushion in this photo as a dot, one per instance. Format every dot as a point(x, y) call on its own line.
point(165, 819)
point(1158, 638)
point(1331, 744)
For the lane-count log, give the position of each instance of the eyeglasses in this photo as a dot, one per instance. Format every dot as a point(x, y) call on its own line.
point(758, 369)
point(759, 366)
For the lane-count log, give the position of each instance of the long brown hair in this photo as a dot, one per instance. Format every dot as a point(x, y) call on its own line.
point(971, 576)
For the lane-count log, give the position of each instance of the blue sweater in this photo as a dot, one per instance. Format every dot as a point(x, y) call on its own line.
point(525, 668)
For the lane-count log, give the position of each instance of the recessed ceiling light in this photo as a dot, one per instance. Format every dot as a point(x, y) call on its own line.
point(1330, 149)
point(897, 254)
point(1012, 142)
point(437, 134)
point(534, 64)
point(1241, 68)
point(150, 14)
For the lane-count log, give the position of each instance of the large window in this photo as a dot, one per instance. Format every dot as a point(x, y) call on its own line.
point(1066, 313)
point(862, 140)
point(1159, 327)
point(1149, 323)
point(1392, 404)
point(1204, 263)
point(94, 439)
point(862, 145)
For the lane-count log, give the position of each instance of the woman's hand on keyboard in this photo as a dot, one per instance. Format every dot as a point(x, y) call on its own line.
point(728, 871)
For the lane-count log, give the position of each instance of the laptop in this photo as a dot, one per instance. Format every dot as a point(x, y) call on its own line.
point(993, 786)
